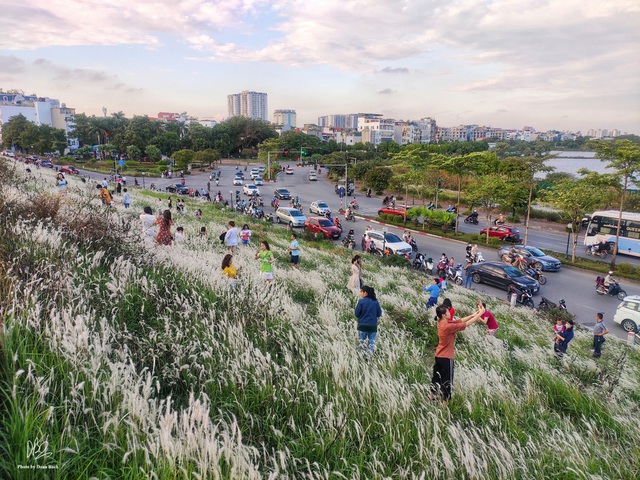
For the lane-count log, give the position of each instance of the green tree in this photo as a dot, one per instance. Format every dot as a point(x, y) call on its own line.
point(573, 198)
point(624, 157)
point(13, 129)
point(488, 191)
point(153, 153)
point(167, 142)
point(134, 152)
point(208, 156)
point(378, 178)
point(139, 131)
point(183, 158)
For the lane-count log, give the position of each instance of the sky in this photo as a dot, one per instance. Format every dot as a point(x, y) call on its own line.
point(549, 64)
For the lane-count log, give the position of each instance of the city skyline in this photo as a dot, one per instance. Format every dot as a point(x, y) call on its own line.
point(551, 65)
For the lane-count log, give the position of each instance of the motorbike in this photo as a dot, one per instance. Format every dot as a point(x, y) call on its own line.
point(523, 297)
point(421, 262)
point(351, 217)
point(414, 244)
point(268, 217)
point(442, 268)
point(479, 257)
point(602, 289)
point(339, 225)
point(369, 193)
point(455, 274)
point(473, 218)
point(533, 273)
point(349, 242)
point(354, 205)
point(258, 212)
point(546, 304)
point(598, 252)
point(275, 203)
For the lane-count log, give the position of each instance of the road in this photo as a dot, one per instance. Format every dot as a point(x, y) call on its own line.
point(576, 286)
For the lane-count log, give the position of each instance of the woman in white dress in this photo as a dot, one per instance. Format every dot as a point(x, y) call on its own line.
point(355, 282)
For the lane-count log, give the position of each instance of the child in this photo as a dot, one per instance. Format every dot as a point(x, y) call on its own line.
point(179, 235)
point(558, 329)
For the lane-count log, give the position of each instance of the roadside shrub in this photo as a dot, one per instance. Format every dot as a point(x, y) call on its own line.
point(626, 268)
point(396, 261)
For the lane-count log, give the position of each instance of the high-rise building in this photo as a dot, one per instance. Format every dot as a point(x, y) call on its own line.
point(248, 104)
point(284, 119)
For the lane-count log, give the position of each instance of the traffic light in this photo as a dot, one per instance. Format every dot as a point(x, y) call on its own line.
point(439, 184)
point(303, 152)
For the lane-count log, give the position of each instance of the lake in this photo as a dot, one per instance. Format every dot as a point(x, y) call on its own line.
point(571, 162)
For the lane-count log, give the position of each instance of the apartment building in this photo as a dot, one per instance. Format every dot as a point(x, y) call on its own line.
point(248, 104)
point(284, 120)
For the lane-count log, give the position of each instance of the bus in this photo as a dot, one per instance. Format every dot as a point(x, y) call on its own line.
point(604, 225)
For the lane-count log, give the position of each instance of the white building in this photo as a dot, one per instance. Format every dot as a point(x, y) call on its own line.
point(284, 120)
point(375, 129)
point(248, 104)
point(39, 110)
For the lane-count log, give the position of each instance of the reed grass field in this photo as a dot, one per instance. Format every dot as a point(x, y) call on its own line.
point(120, 359)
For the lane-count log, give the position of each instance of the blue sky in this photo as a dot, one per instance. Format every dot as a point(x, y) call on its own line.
point(569, 64)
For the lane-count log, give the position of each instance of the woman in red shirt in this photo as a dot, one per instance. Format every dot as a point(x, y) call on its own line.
point(442, 380)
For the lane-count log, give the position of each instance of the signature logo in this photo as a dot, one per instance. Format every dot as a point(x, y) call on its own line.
point(38, 450)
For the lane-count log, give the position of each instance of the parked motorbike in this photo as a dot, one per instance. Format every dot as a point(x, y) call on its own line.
point(455, 274)
point(601, 289)
point(523, 297)
point(268, 217)
point(473, 218)
point(546, 304)
point(421, 262)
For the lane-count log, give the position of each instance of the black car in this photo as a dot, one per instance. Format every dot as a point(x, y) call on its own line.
point(282, 194)
point(501, 276)
point(177, 188)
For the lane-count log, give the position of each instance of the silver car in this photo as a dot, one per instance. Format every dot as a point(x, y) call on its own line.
point(291, 216)
point(319, 208)
point(389, 240)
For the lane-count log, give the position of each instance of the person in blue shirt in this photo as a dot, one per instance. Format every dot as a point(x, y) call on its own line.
point(368, 311)
point(294, 251)
point(434, 291)
point(563, 339)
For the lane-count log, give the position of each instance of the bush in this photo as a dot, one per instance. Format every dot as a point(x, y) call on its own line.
point(626, 268)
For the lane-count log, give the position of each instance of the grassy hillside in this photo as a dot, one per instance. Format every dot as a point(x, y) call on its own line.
point(124, 360)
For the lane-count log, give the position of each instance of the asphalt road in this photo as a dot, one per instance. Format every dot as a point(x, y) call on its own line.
point(576, 286)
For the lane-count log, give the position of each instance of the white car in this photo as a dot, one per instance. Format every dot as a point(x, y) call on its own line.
point(289, 171)
point(291, 216)
point(388, 240)
point(319, 208)
point(251, 189)
point(255, 173)
point(258, 182)
point(628, 314)
point(237, 181)
point(261, 168)
point(312, 176)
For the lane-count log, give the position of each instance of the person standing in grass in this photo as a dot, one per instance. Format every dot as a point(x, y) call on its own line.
point(148, 220)
point(126, 199)
point(294, 251)
point(61, 184)
point(563, 339)
point(368, 311)
point(229, 269)
point(245, 234)
point(265, 255)
point(442, 379)
point(231, 237)
point(434, 292)
point(164, 229)
point(599, 331)
point(355, 280)
point(468, 278)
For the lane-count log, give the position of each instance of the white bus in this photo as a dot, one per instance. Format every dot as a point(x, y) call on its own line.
point(603, 226)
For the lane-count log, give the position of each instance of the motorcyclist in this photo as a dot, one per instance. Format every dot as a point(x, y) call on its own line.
point(600, 247)
point(347, 213)
point(611, 283)
point(499, 220)
point(353, 201)
point(336, 222)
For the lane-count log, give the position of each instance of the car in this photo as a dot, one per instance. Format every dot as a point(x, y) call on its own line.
point(237, 180)
point(322, 225)
point(255, 173)
point(505, 233)
point(46, 164)
point(502, 276)
point(319, 208)
point(341, 191)
point(6, 153)
point(544, 262)
point(291, 216)
point(261, 168)
point(258, 181)
point(628, 314)
point(68, 169)
point(240, 175)
point(312, 176)
point(177, 188)
point(251, 189)
point(288, 171)
point(390, 241)
point(282, 194)
point(400, 210)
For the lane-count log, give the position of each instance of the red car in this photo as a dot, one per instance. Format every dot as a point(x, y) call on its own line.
point(70, 170)
point(322, 225)
point(503, 232)
point(401, 211)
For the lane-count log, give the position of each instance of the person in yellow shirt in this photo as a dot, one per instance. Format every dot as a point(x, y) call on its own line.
point(229, 269)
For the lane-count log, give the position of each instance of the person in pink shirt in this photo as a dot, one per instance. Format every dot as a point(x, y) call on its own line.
point(488, 319)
